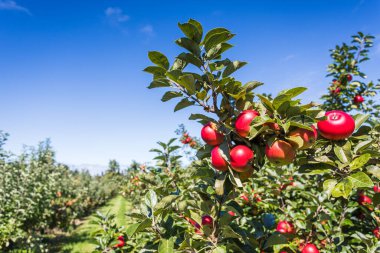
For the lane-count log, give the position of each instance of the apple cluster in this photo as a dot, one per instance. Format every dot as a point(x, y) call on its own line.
point(338, 125)
point(186, 139)
point(337, 84)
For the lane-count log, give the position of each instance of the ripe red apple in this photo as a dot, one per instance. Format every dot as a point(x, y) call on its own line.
point(310, 248)
point(241, 156)
point(376, 189)
point(358, 99)
point(376, 232)
point(285, 227)
point(308, 137)
point(273, 126)
point(244, 198)
point(364, 200)
point(338, 125)
point(211, 135)
point(207, 220)
point(217, 160)
point(120, 244)
point(243, 122)
point(280, 153)
point(121, 238)
point(349, 77)
point(246, 174)
point(193, 222)
point(336, 91)
point(232, 213)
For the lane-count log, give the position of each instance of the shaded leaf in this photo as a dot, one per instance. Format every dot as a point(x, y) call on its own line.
point(159, 59)
point(183, 104)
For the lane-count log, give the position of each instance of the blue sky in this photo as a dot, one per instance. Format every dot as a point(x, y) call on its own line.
point(72, 70)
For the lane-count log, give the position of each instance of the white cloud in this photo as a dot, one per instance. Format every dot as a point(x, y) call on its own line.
point(12, 6)
point(288, 57)
point(116, 15)
point(147, 30)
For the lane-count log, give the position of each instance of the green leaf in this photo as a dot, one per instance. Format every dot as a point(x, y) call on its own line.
point(183, 104)
point(360, 179)
point(188, 82)
point(360, 119)
point(166, 201)
point(286, 96)
point(329, 185)
point(293, 92)
point(342, 189)
point(252, 85)
point(201, 95)
point(155, 70)
point(362, 145)
point(151, 199)
point(217, 38)
point(213, 32)
point(232, 67)
point(266, 103)
point(360, 161)
point(217, 50)
point(170, 94)
point(190, 58)
point(343, 152)
point(159, 59)
point(198, 116)
point(191, 31)
point(190, 45)
point(166, 246)
point(219, 249)
point(275, 239)
point(138, 227)
point(158, 84)
point(374, 170)
point(197, 25)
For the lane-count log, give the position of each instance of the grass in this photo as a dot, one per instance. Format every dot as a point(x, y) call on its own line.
point(81, 239)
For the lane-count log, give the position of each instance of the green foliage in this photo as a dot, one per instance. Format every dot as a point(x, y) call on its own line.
point(318, 192)
point(37, 194)
point(346, 59)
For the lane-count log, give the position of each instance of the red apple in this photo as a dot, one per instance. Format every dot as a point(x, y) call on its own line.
point(243, 122)
point(308, 137)
point(217, 160)
point(273, 126)
point(376, 232)
point(120, 244)
point(231, 213)
point(310, 248)
point(336, 91)
point(285, 227)
point(338, 125)
point(358, 99)
point(376, 189)
point(207, 220)
point(210, 134)
point(280, 153)
point(349, 77)
point(241, 156)
point(244, 198)
point(364, 200)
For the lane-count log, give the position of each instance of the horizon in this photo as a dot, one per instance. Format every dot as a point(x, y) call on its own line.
point(72, 72)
